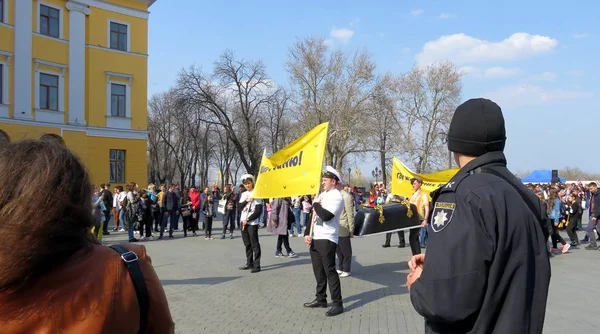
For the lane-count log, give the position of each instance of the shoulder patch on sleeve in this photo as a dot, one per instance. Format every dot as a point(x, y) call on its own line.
point(442, 215)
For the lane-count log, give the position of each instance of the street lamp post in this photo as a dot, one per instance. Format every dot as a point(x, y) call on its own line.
point(349, 175)
point(376, 174)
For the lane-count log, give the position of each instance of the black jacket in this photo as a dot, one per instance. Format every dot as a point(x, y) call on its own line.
point(487, 268)
point(595, 199)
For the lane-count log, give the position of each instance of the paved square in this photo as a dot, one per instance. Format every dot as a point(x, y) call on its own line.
point(208, 294)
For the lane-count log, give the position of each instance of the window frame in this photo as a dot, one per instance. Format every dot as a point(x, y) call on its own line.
point(3, 10)
point(2, 84)
point(41, 87)
point(127, 37)
point(125, 99)
point(116, 161)
point(39, 19)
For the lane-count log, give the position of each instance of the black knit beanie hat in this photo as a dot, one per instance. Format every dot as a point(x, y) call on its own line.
point(477, 127)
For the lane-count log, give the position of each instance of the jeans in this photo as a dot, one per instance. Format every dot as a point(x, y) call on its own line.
point(107, 217)
point(229, 221)
point(306, 219)
point(423, 236)
point(168, 215)
point(296, 212)
point(122, 220)
point(130, 228)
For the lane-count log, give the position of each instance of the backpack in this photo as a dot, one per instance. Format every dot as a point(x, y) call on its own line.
point(135, 209)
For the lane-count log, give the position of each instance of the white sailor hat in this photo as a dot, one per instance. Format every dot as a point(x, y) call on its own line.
point(331, 173)
point(247, 177)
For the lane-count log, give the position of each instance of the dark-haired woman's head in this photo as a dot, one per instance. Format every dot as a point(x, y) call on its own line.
point(45, 210)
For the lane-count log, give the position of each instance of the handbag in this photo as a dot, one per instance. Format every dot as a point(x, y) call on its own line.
point(137, 276)
point(221, 208)
point(185, 211)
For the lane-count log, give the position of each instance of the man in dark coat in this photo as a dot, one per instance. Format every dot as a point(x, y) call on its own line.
point(487, 267)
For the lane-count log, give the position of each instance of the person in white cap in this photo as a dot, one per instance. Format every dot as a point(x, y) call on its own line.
point(252, 209)
point(322, 238)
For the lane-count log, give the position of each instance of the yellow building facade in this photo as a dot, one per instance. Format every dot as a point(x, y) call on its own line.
point(77, 71)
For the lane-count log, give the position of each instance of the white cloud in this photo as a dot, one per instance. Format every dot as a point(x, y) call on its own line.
point(580, 36)
point(492, 72)
point(416, 12)
point(545, 76)
point(530, 95)
point(343, 35)
point(445, 16)
point(461, 49)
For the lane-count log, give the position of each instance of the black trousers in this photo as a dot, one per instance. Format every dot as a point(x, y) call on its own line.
point(388, 238)
point(250, 239)
point(413, 240)
point(571, 230)
point(146, 226)
point(285, 240)
point(556, 238)
point(344, 254)
point(208, 226)
point(157, 219)
point(322, 255)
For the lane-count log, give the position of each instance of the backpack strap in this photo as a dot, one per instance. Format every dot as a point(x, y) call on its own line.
point(137, 276)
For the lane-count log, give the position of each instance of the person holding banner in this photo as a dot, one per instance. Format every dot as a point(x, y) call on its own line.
point(251, 212)
point(486, 269)
point(322, 237)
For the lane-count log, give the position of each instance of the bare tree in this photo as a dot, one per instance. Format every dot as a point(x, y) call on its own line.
point(235, 95)
point(383, 130)
point(161, 138)
point(427, 99)
point(331, 86)
point(278, 118)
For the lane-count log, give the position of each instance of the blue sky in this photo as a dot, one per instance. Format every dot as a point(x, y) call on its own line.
point(534, 58)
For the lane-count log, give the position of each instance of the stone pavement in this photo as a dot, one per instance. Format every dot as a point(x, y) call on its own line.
point(208, 294)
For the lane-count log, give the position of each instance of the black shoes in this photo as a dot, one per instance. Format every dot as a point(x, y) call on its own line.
point(334, 310)
point(251, 268)
point(316, 303)
point(401, 245)
point(385, 245)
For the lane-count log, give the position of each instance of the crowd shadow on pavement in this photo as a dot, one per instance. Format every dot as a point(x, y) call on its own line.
point(391, 275)
point(302, 259)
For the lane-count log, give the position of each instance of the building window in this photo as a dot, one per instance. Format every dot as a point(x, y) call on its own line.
point(49, 21)
point(118, 100)
point(118, 36)
point(117, 166)
point(48, 91)
point(2, 10)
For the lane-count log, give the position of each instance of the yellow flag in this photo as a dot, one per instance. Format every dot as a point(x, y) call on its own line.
point(401, 176)
point(294, 170)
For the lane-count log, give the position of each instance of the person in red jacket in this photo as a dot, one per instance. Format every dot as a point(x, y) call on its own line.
point(195, 199)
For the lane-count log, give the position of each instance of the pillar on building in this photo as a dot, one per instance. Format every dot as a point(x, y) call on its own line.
point(23, 60)
point(77, 14)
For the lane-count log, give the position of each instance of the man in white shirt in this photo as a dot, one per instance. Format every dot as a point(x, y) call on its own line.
point(322, 238)
point(250, 217)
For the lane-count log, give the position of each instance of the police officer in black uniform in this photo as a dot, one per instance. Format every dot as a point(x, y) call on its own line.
point(486, 269)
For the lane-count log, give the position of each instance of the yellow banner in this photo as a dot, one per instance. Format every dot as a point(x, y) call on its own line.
point(401, 176)
point(294, 170)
